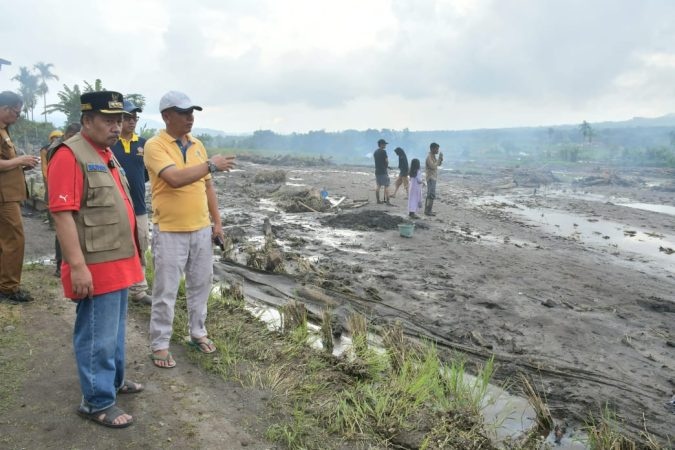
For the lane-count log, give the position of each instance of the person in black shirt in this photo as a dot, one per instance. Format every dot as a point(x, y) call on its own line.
point(381, 171)
point(129, 152)
point(402, 171)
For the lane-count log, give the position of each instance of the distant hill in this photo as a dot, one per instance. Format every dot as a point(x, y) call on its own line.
point(664, 121)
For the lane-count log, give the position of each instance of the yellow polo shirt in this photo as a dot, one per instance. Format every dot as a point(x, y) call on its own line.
point(176, 209)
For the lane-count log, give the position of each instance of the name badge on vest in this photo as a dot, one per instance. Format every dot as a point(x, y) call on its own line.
point(93, 167)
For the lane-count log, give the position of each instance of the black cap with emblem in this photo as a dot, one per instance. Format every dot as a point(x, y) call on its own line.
point(104, 102)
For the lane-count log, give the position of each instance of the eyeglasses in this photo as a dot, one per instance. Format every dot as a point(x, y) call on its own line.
point(17, 112)
point(131, 118)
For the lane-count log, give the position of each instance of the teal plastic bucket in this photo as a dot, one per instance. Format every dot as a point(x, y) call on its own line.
point(406, 229)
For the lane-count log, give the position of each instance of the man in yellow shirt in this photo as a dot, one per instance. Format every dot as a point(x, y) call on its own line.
point(184, 205)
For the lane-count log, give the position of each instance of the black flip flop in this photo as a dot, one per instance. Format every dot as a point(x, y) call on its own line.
point(109, 415)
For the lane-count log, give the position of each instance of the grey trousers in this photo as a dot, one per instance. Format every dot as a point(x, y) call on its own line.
point(175, 254)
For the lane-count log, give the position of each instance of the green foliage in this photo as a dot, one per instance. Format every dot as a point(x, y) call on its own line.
point(399, 399)
point(28, 135)
point(69, 103)
point(146, 132)
point(206, 139)
point(44, 74)
point(586, 131)
point(69, 100)
point(28, 88)
point(136, 99)
point(605, 433)
point(294, 433)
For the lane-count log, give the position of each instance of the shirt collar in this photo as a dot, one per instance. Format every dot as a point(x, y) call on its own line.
point(134, 138)
point(96, 146)
point(167, 137)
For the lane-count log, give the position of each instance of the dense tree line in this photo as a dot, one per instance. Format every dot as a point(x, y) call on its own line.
point(649, 145)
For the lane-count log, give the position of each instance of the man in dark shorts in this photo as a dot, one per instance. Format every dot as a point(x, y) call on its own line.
point(381, 171)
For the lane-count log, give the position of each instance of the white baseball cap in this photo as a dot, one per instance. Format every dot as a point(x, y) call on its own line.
point(177, 100)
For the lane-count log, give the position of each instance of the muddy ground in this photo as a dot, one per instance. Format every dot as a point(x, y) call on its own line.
point(586, 309)
point(586, 312)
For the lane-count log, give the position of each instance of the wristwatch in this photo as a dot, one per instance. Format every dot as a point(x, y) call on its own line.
point(212, 167)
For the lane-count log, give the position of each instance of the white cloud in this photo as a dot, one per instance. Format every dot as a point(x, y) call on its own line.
point(423, 64)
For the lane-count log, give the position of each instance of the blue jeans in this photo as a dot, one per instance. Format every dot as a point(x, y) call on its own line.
point(98, 340)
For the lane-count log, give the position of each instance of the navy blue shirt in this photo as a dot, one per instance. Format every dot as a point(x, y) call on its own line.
point(134, 168)
point(381, 162)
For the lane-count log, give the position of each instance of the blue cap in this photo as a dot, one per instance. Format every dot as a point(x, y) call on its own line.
point(130, 108)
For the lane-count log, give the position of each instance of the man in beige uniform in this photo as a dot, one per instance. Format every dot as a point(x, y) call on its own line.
point(431, 168)
point(12, 193)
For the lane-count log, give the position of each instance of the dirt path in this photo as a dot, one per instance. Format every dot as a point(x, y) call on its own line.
point(180, 408)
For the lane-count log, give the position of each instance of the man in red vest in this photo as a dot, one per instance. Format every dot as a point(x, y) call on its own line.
point(96, 226)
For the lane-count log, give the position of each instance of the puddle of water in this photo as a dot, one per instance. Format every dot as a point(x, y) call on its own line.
point(613, 237)
point(349, 172)
point(663, 209)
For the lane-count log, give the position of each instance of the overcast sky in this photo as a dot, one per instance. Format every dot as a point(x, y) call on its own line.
point(299, 65)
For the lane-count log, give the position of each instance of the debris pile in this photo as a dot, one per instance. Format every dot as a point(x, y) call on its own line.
point(270, 176)
point(534, 178)
point(367, 220)
point(306, 200)
point(606, 179)
point(668, 187)
point(287, 160)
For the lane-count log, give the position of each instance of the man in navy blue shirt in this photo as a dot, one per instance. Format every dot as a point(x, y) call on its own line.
point(129, 152)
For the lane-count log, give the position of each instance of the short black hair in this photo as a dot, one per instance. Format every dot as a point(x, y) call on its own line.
point(9, 98)
point(73, 128)
point(434, 145)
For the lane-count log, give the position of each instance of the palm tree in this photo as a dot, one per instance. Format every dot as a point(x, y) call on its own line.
point(28, 88)
point(45, 73)
point(69, 99)
point(96, 87)
point(69, 103)
point(136, 99)
point(586, 131)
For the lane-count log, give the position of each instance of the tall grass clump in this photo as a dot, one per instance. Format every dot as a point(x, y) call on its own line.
point(417, 389)
point(605, 433)
point(294, 321)
point(327, 331)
